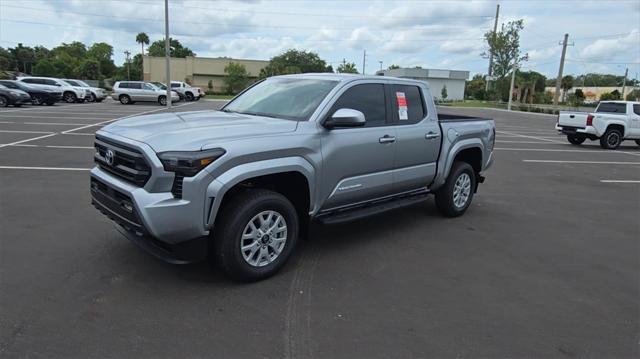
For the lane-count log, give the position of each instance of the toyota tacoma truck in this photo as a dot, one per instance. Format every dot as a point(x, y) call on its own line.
point(186, 91)
point(243, 183)
point(611, 123)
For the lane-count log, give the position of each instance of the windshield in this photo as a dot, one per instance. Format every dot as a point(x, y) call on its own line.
point(152, 86)
point(288, 98)
point(159, 85)
point(81, 83)
point(71, 82)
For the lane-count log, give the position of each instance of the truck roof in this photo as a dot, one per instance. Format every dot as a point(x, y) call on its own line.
point(620, 101)
point(351, 77)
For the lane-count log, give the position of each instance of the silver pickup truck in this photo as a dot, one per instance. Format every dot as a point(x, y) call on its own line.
point(242, 183)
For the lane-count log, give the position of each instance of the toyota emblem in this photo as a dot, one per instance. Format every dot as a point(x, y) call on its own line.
point(109, 156)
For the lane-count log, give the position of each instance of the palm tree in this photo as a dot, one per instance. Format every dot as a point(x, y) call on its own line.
point(142, 39)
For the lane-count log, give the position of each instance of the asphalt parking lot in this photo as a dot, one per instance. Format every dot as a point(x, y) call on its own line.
point(546, 263)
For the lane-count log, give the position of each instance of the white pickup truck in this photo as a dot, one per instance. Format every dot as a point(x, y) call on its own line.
point(611, 123)
point(186, 91)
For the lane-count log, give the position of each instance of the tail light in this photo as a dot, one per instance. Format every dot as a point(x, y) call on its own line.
point(589, 120)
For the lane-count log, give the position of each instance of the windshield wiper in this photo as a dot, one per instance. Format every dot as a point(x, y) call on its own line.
point(258, 114)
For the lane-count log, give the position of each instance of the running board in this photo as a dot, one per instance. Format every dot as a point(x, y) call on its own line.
point(371, 209)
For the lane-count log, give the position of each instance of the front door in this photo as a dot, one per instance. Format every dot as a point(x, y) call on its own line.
point(358, 162)
point(418, 138)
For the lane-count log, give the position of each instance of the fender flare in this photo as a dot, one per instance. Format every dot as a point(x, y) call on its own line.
point(607, 123)
point(218, 188)
point(446, 162)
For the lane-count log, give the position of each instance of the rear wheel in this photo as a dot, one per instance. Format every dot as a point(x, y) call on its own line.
point(3, 101)
point(575, 139)
point(37, 100)
point(255, 234)
point(455, 196)
point(611, 139)
point(162, 100)
point(124, 99)
point(70, 97)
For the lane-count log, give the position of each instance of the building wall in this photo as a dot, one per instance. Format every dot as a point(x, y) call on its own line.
point(593, 93)
point(436, 78)
point(197, 70)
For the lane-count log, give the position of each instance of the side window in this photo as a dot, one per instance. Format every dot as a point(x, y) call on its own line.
point(366, 98)
point(636, 109)
point(408, 107)
point(30, 81)
point(175, 85)
point(135, 85)
point(50, 82)
point(148, 87)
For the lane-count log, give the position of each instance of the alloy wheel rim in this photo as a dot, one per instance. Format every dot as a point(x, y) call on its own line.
point(263, 238)
point(36, 100)
point(462, 190)
point(2, 101)
point(613, 139)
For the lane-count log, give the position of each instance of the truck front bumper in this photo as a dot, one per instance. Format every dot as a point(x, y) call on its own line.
point(164, 226)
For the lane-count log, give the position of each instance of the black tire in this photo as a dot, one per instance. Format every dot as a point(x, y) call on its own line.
point(37, 100)
point(197, 98)
point(92, 98)
point(51, 103)
point(445, 195)
point(98, 100)
point(229, 228)
point(125, 99)
point(611, 139)
point(162, 100)
point(638, 142)
point(189, 96)
point(17, 105)
point(70, 97)
point(3, 101)
point(575, 139)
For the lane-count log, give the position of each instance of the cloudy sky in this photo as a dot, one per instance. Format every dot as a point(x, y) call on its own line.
point(432, 34)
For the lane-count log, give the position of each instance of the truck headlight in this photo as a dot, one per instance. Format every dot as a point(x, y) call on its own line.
point(189, 163)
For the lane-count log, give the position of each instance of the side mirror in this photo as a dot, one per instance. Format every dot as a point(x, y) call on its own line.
point(345, 117)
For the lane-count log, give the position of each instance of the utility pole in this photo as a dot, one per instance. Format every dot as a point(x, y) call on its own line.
point(495, 28)
point(364, 61)
point(513, 79)
point(564, 44)
point(624, 82)
point(380, 65)
point(167, 51)
point(126, 54)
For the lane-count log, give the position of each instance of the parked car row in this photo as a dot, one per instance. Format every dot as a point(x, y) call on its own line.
point(129, 92)
point(47, 90)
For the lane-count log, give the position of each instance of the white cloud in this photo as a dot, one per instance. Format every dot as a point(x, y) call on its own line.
point(461, 47)
point(604, 49)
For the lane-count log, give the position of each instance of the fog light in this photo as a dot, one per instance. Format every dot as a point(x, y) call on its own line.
point(127, 206)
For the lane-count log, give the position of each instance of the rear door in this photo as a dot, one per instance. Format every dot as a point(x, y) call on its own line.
point(358, 162)
point(135, 91)
point(418, 138)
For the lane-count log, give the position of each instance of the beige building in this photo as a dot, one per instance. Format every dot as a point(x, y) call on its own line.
point(197, 70)
point(593, 93)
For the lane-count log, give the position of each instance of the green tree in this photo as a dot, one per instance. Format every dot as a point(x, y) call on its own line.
point(475, 87)
point(176, 49)
point(23, 56)
point(236, 77)
point(7, 61)
point(44, 67)
point(103, 53)
point(295, 61)
point(75, 50)
point(89, 69)
point(393, 67)
point(443, 92)
point(566, 84)
point(348, 68)
point(143, 39)
point(633, 95)
point(505, 47)
point(210, 85)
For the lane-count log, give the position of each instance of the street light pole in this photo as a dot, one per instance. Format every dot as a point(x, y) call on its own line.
point(513, 78)
point(167, 51)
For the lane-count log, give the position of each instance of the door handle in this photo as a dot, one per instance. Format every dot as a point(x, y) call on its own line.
point(431, 135)
point(387, 139)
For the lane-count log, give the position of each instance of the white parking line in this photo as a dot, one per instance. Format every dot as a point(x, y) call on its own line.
point(45, 168)
point(561, 150)
point(524, 136)
point(27, 140)
point(15, 131)
point(54, 146)
point(535, 142)
point(54, 123)
point(619, 181)
point(585, 162)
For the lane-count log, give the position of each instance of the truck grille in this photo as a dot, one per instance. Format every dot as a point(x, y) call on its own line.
point(122, 161)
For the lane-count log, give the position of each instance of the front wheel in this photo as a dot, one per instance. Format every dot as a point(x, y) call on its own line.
point(576, 140)
point(611, 139)
point(189, 96)
point(3, 101)
point(455, 196)
point(37, 100)
point(70, 97)
point(92, 98)
point(162, 100)
point(255, 234)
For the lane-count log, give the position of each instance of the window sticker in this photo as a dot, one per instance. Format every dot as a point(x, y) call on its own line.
point(403, 114)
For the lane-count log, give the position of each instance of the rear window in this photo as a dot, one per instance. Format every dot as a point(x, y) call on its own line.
point(123, 85)
point(407, 103)
point(612, 107)
point(50, 82)
point(32, 81)
point(636, 109)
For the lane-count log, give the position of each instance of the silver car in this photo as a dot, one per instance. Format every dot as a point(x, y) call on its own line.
point(128, 92)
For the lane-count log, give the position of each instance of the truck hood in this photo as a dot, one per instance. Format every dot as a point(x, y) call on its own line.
point(192, 131)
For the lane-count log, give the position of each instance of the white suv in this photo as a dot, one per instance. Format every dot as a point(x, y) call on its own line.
point(70, 93)
point(97, 94)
